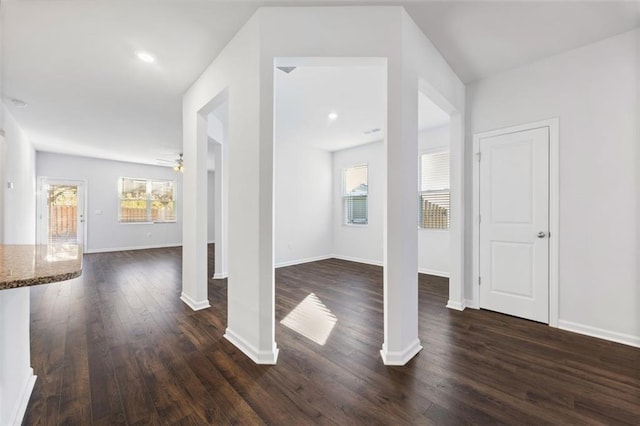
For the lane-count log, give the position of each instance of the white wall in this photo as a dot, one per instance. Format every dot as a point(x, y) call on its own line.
point(2, 147)
point(434, 253)
point(360, 243)
point(593, 91)
point(302, 202)
point(211, 207)
point(19, 169)
point(16, 375)
point(3, 184)
point(104, 232)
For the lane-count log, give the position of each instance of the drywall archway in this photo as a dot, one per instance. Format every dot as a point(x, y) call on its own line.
point(246, 68)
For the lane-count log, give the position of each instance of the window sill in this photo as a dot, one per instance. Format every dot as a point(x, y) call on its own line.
point(434, 229)
point(356, 225)
point(146, 223)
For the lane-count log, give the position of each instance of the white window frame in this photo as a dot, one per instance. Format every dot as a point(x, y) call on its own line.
point(343, 196)
point(149, 182)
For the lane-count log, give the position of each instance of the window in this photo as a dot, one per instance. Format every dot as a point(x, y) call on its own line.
point(434, 190)
point(146, 200)
point(355, 190)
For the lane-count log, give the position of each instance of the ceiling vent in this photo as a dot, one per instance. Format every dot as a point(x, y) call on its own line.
point(18, 103)
point(286, 70)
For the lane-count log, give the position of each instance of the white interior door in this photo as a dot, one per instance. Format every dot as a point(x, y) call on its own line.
point(61, 217)
point(514, 224)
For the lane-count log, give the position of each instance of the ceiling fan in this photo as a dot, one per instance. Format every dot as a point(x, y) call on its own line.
point(177, 164)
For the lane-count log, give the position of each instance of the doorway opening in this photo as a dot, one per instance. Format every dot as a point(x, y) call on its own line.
point(434, 187)
point(330, 119)
point(217, 185)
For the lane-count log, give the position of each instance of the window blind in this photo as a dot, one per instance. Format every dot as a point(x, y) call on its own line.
point(434, 191)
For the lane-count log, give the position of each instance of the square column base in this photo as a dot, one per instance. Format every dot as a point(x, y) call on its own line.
point(268, 357)
point(400, 357)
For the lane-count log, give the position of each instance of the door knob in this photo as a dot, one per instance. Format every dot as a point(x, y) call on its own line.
point(541, 234)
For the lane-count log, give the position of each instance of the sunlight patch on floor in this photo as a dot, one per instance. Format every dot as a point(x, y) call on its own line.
point(312, 319)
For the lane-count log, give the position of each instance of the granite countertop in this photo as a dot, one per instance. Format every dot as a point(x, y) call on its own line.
point(27, 265)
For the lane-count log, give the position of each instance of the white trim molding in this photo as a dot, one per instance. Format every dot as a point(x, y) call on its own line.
point(20, 408)
point(259, 357)
point(301, 261)
point(433, 272)
point(554, 210)
point(220, 275)
point(613, 336)
point(153, 246)
point(400, 357)
point(196, 306)
point(357, 260)
point(468, 303)
point(456, 306)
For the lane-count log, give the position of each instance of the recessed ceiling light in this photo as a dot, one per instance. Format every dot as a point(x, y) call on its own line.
point(145, 57)
point(18, 103)
point(332, 116)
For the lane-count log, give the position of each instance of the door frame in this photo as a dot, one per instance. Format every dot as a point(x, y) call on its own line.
point(40, 206)
point(554, 210)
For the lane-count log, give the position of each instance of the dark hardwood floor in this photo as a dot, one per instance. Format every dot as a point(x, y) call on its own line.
point(117, 346)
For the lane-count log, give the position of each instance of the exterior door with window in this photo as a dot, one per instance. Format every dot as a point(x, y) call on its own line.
point(61, 218)
point(514, 224)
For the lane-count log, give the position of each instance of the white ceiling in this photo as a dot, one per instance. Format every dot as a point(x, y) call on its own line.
point(73, 62)
point(481, 38)
point(306, 97)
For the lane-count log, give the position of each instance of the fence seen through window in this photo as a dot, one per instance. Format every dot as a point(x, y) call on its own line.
point(146, 200)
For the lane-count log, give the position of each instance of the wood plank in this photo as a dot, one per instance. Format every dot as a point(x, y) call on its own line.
point(119, 347)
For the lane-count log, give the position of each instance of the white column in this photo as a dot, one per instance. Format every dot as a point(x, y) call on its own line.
point(16, 374)
point(456, 234)
point(401, 341)
point(194, 211)
point(251, 323)
point(221, 190)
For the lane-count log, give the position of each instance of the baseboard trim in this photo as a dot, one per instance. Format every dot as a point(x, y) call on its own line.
point(21, 408)
point(196, 306)
point(152, 246)
point(457, 306)
point(433, 272)
point(380, 263)
point(220, 275)
point(469, 303)
point(301, 261)
point(356, 259)
point(613, 336)
point(400, 357)
point(259, 357)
